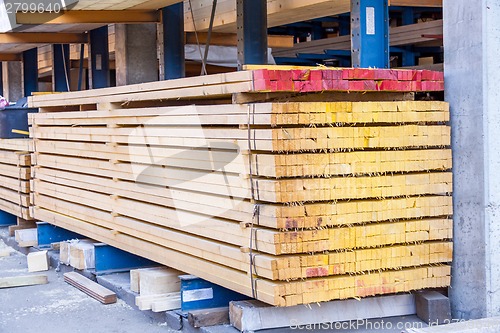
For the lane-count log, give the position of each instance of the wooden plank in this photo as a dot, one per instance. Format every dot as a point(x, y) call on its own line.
point(159, 281)
point(222, 39)
point(38, 261)
point(168, 300)
point(22, 281)
point(408, 34)
point(278, 217)
point(253, 315)
point(168, 304)
point(209, 317)
point(26, 237)
point(91, 288)
point(240, 281)
point(135, 277)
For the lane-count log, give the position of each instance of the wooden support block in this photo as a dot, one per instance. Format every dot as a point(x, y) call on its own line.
point(161, 281)
point(209, 317)
point(82, 254)
point(22, 281)
point(135, 277)
point(27, 237)
point(91, 288)
point(167, 304)
point(38, 261)
point(146, 302)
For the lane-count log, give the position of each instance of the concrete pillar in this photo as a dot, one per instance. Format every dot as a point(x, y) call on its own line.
point(136, 53)
point(472, 71)
point(12, 77)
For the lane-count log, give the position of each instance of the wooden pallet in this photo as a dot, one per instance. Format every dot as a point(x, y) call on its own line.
point(15, 174)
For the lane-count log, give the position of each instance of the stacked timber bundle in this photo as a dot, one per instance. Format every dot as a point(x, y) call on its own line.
point(291, 203)
point(15, 173)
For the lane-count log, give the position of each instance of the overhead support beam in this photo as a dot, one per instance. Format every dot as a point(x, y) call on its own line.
point(173, 41)
point(61, 68)
point(10, 57)
point(280, 12)
point(225, 39)
point(90, 17)
point(42, 38)
point(370, 33)
point(252, 32)
point(419, 3)
point(30, 71)
point(99, 58)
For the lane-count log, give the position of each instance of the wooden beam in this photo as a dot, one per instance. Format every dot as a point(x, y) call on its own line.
point(10, 57)
point(280, 12)
point(403, 35)
point(421, 3)
point(228, 39)
point(21, 281)
point(42, 38)
point(90, 17)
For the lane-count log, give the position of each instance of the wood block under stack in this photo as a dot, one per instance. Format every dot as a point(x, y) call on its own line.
point(292, 203)
point(15, 173)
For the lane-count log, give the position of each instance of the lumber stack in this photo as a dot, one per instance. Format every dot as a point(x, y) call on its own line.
point(220, 87)
point(15, 173)
point(292, 203)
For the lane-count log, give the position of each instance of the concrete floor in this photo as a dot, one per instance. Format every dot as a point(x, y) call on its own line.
point(57, 307)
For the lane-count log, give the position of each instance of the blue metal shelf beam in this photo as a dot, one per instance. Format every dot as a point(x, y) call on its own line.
point(370, 33)
point(99, 55)
point(173, 41)
point(252, 32)
point(30, 71)
point(61, 67)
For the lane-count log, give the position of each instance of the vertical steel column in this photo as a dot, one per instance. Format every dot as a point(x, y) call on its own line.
point(173, 41)
point(370, 33)
point(252, 32)
point(61, 67)
point(30, 71)
point(99, 58)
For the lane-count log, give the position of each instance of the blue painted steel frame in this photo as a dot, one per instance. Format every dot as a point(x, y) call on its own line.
point(49, 233)
point(173, 41)
point(99, 53)
point(370, 33)
point(61, 67)
point(30, 71)
point(252, 32)
point(109, 259)
point(199, 294)
point(7, 219)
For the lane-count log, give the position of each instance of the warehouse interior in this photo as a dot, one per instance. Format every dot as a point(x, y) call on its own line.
point(337, 154)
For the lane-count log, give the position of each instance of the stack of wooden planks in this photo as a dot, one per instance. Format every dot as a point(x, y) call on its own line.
point(158, 288)
point(91, 288)
point(292, 203)
point(15, 173)
point(220, 87)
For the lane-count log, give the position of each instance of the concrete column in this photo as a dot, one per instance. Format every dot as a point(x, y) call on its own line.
point(12, 77)
point(472, 71)
point(136, 53)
